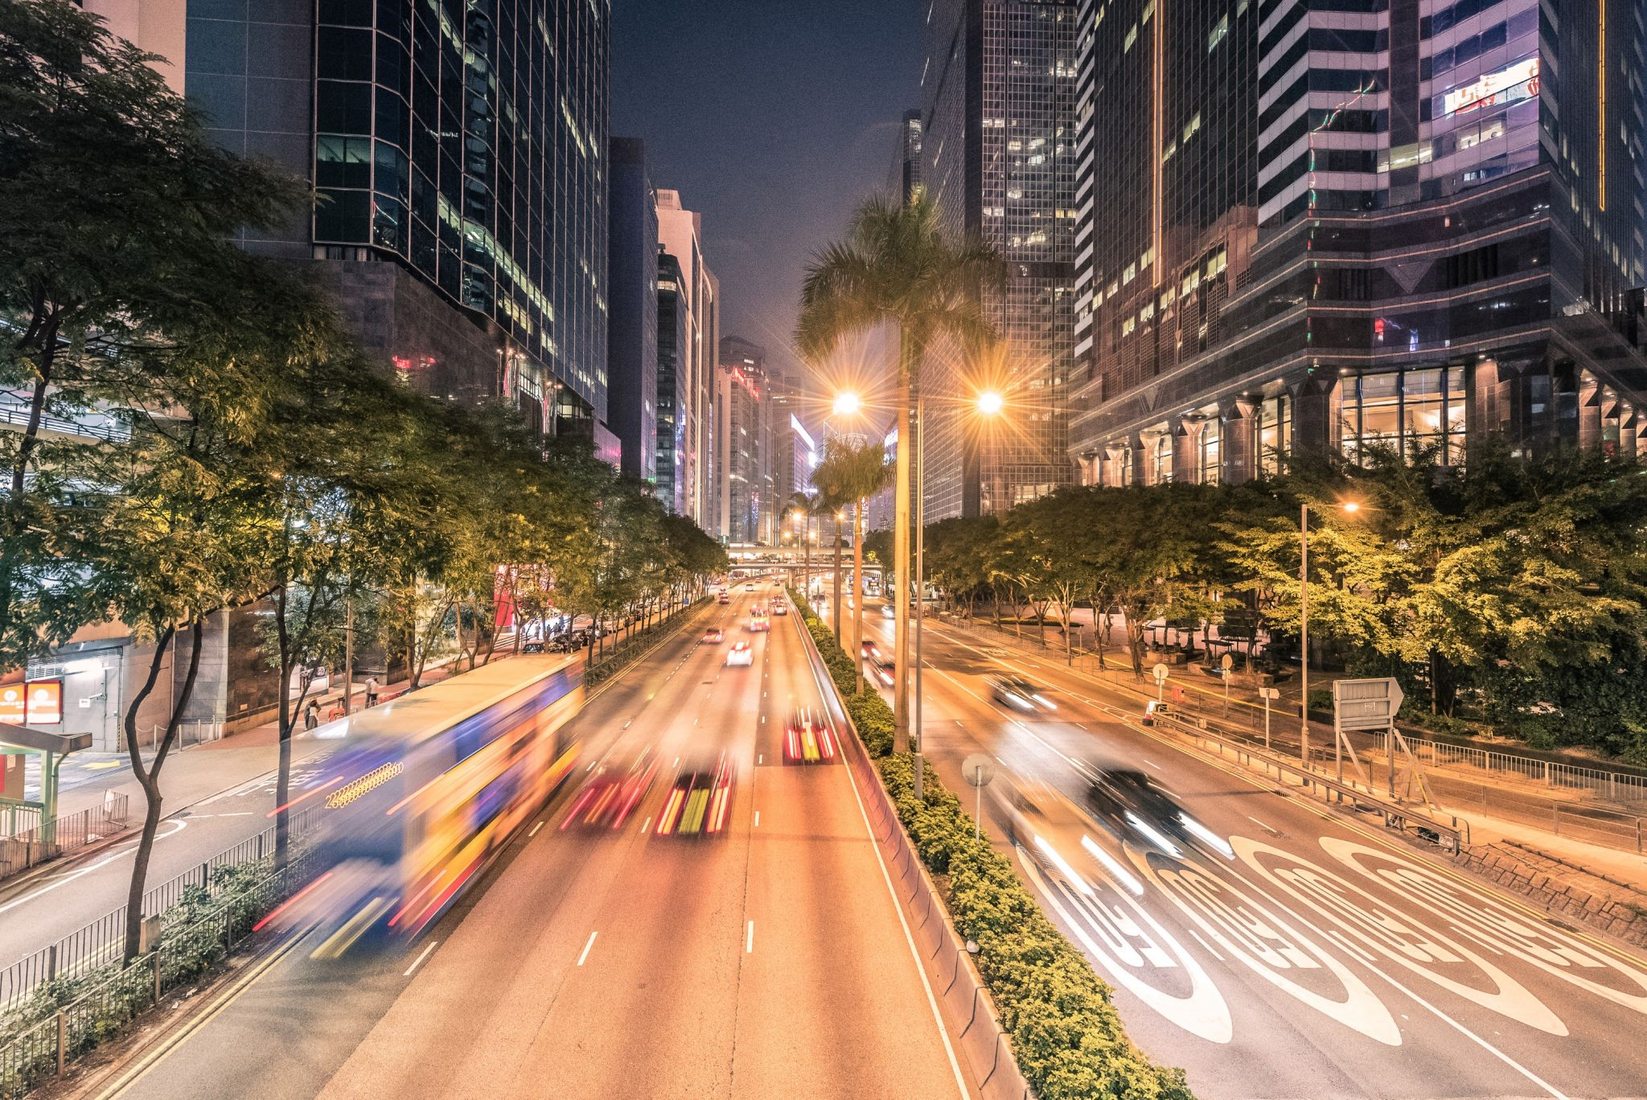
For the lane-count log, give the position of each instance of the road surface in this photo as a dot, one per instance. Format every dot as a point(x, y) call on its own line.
point(1308, 953)
point(768, 962)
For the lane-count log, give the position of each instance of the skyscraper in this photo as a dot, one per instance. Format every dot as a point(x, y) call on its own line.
point(673, 397)
point(998, 157)
point(1356, 227)
point(458, 153)
point(743, 439)
point(632, 340)
point(681, 232)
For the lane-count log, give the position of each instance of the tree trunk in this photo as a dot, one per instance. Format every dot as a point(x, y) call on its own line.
point(151, 795)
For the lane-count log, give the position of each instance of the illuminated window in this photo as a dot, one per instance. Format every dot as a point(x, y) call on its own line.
point(1274, 433)
point(1211, 452)
point(1160, 460)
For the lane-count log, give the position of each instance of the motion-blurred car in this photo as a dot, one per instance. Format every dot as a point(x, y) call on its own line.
point(699, 801)
point(714, 636)
point(888, 611)
point(611, 793)
point(780, 609)
point(724, 597)
point(871, 650)
point(1129, 801)
point(758, 623)
point(1019, 694)
point(749, 588)
point(740, 654)
point(883, 670)
point(807, 739)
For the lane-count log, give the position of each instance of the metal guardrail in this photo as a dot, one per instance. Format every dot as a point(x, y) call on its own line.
point(43, 1042)
point(70, 832)
point(101, 941)
point(1611, 785)
point(1450, 835)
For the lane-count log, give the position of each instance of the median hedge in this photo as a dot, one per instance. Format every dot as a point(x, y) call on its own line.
point(1065, 1032)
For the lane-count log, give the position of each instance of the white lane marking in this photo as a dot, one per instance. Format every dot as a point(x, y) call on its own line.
point(89, 868)
point(757, 819)
point(763, 719)
point(629, 723)
point(749, 939)
point(586, 947)
point(417, 962)
point(1150, 762)
point(534, 831)
point(1268, 829)
point(909, 938)
point(645, 825)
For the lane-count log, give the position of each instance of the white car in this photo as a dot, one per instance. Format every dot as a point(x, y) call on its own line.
point(740, 654)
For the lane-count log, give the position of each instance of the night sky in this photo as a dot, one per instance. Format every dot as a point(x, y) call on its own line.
point(773, 118)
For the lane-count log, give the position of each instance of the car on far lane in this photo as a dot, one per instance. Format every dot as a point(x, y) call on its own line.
point(714, 636)
point(807, 739)
point(871, 650)
point(740, 654)
point(883, 670)
point(1019, 694)
point(888, 611)
point(780, 609)
point(699, 802)
point(759, 623)
point(749, 588)
point(724, 597)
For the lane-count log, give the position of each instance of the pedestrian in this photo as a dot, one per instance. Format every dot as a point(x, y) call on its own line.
point(371, 691)
point(311, 714)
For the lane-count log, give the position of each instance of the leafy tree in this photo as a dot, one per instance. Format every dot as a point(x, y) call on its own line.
point(87, 268)
point(898, 266)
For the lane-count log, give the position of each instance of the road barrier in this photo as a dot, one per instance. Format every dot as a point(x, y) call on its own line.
point(102, 941)
point(71, 832)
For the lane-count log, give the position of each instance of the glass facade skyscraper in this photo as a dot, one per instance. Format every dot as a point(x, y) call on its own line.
point(998, 157)
point(1357, 226)
point(458, 151)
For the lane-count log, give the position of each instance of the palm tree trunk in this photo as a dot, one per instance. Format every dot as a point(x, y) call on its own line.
point(835, 610)
point(900, 557)
point(858, 595)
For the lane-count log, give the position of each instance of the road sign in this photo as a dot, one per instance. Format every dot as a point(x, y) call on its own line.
point(1269, 693)
point(1161, 672)
point(978, 769)
point(1226, 662)
point(1366, 704)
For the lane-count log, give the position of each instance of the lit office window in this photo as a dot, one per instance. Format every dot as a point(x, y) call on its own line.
point(1274, 434)
point(1211, 452)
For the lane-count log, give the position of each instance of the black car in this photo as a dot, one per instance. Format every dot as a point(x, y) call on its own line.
point(1020, 694)
point(1131, 803)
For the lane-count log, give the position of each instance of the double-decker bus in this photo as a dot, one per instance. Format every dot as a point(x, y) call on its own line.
point(425, 788)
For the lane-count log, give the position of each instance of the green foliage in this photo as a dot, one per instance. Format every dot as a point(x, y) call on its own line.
point(869, 712)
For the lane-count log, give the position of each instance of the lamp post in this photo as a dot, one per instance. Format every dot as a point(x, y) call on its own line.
point(1351, 507)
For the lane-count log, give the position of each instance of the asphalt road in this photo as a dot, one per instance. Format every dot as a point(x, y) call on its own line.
point(768, 962)
point(1305, 954)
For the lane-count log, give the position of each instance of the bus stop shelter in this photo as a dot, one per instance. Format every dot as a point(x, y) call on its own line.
point(18, 744)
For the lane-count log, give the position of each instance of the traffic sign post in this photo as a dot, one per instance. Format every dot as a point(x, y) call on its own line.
point(1268, 694)
point(978, 770)
point(1161, 672)
point(1226, 665)
point(1365, 705)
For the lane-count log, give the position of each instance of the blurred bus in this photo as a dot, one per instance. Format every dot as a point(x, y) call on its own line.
point(425, 789)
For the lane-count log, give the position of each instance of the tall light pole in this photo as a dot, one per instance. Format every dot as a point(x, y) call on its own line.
point(1351, 507)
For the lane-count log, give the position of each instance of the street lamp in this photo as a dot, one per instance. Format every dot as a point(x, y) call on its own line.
point(1349, 507)
point(848, 403)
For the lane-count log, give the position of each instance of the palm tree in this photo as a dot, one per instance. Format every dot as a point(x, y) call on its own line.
point(808, 503)
point(898, 266)
point(850, 474)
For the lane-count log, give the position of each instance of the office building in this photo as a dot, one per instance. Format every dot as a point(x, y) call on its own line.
point(905, 179)
point(1385, 227)
point(743, 439)
point(632, 334)
point(673, 396)
point(998, 158)
point(680, 231)
point(461, 213)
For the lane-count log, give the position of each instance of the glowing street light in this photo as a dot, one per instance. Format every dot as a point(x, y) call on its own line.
point(848, 403)
point(990, 403)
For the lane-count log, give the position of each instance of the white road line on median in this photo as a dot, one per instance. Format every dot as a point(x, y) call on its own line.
point(1270, 829)
point(760, 758)
point(645, 825)
point(64, 880)
point(1148, 761)
point(757, 819)
point(417, 962)
point(534, 831)
point(749, 939)
point(586, 947)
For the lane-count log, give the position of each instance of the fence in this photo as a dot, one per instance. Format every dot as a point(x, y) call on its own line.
point(75, 1020)
point(101, 941)
point(24, 849)
point(188, 734)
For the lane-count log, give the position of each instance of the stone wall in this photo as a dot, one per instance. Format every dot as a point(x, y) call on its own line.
point(1592, 899)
